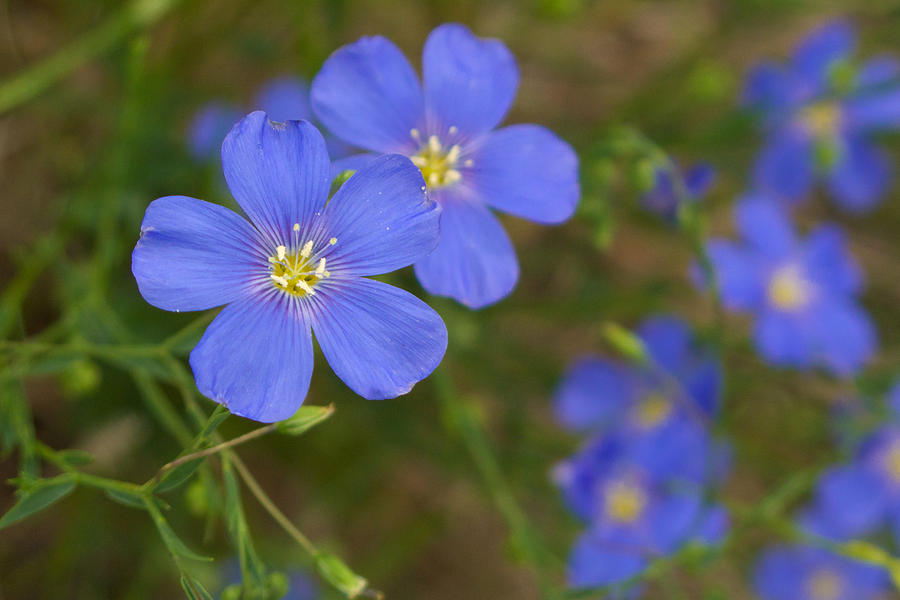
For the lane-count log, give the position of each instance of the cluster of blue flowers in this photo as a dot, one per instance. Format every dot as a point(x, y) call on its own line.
point(643, 482)
point(300, 264)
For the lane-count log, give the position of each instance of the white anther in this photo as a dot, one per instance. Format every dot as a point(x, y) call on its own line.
point(306, 251)
point(433, 178)
point(281, 252)
point(414, 133)
point(305, 287)
point(434, 144)
point(296, 227)
point(332, 241)
point(320, 270)
point(468, 162)
point(273, 260)
point(419, 161)
point(453, 155)
point(452, 130)
point(451, 176)
point(279, 280)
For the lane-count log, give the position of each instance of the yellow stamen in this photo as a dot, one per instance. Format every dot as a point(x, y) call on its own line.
point(437, 163)
point(788, 290)
point(825, 585)
point(822, 119)
point(624, 502)
point(892, 462)
point(652, 410)
point(297, 273)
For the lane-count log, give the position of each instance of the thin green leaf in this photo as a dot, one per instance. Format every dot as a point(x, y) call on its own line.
point(252, 568)
point(193, 589)
point(40, 496)
point(132, 500)
point(304, 419)
point(175, 477)
point(338, 574)
point(173, 542)
point(74, 457)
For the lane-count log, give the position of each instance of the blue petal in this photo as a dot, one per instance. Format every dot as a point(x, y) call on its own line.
point(860, 178)
point(672, 519)
point(846, 338)
point(475, 262)
point(194, 255)
point(780, 575)
point(354, 162)
point(667, 340)
point(851, 500)
point(784, 339)
point(594, 563)
point(785, 165)
point(380, 340)
point(368, 94)
point(527, 171)
point(704, 384)
point(277, 172)
point(381, 218)
point(714, 526)
point(768, 88)
point(208, 128)
point(874, 111)
point(893, 399)
point(256, 358)
point(594, 393)
point(470, 83)
point(815, 55)
point(285, 99)
point(878, 71)
point(765, 226)
point(829, 264)
point(738, 275)
point(698, 178)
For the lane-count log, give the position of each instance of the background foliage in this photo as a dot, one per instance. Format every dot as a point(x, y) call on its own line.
point(445, 492)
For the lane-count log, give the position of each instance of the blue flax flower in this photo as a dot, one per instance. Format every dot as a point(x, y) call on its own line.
point(368, 94)
point(637, 509)
point(820, 111)
point(802, 292)
point(284, 98)
point(298, 264)
point(663, 198)
point(806, 573)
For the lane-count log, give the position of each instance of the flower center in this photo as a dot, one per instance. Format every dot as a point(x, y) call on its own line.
point(437, 162)
point(298, 272)
point(821, 119)
point(788, 290)
point(624, 502)
point(825, 585)
point(892, 462)
point(652, 410)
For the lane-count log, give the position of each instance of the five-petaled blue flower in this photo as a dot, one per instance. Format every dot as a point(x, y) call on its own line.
point(802, 292)
point(299, 264)
point(368, 94)
point(664, 198)
point(806, 573)
point(820, 111)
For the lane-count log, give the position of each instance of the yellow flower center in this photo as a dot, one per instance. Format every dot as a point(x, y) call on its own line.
point(825, 585)
point(439, 164)
point(788, 290)
point(624, 502)
point(821, 119)
point(652, 410)
point(892, 462)
point(298, 273)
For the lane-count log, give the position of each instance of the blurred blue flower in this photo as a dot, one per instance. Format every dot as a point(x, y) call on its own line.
point(663, 198)
point(806, 573)
point(802, 292)
point(300, 585)
point(368, 94)
point(284, 98)
point(637, 509)
point(820, 111)
point(300, 263)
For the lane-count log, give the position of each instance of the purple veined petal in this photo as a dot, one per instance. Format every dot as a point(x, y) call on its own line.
point(821, 49)
point(595, 393)
point(381, 219)
point(526, 171)
point(828, 262)
point(785, 339)
point(873, 111)
point(285, 99)
point(738, 275)
point(765, 226)
point(208, 127)
point(878, 71)
point(595, 563)
point(785, 167)
point(194, 255)
point(378, 339)
point(861, 176)
point(369, 95)
point(475, 262)
point(277, 172)
point(845, 336)
point(354, 162)
point(256, 357)
point(470, 82)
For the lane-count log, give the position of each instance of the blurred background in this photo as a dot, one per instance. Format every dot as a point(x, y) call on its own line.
point(387, 485)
